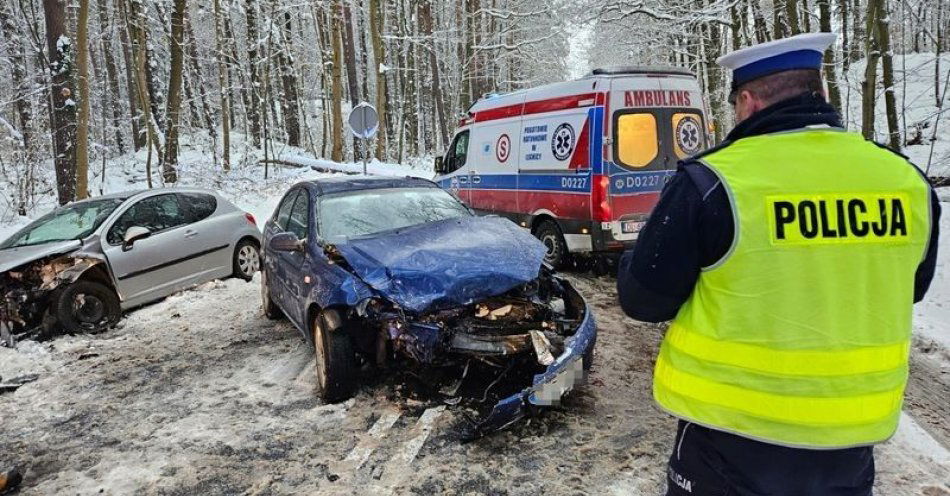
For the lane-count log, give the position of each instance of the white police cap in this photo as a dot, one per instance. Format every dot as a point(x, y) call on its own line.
point(803, 51)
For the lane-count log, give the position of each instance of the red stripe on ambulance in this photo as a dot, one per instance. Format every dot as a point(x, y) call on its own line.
point(537, 107)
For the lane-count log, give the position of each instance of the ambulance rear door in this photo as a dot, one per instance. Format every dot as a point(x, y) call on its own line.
point(655, 120)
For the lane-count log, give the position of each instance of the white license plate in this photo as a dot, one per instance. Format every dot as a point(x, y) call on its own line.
point(631, 226)
point(550, 393)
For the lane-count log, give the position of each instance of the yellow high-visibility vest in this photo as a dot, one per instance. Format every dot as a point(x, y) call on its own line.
point(800, 335)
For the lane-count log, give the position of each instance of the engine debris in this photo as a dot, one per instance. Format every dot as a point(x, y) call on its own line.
point(542, 347)
point(27, 293)
point(479, 353)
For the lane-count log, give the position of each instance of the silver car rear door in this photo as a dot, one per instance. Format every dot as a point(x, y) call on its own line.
point(212, 225)
point(152, 267)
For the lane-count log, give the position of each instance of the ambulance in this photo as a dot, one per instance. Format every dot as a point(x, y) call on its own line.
point(580, 163)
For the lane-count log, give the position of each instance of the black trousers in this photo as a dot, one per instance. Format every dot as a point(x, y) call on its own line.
point(706, 462)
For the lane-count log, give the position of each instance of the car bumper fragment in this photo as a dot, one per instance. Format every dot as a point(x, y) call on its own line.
point(568, 371)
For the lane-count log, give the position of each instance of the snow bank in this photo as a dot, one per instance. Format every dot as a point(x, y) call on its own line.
point(932, 315)
point(912, 438)
point(373, 167)
point(199, 166)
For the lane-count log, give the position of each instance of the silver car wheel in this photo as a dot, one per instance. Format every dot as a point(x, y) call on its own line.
point(249, 260)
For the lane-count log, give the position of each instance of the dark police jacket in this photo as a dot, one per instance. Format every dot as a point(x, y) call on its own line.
point(692, 225)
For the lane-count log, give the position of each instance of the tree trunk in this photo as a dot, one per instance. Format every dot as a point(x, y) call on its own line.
point(137, 118)
point(411, 86)
point(845, 33)
point(113, 95)
point(400, 59)
point(883, 38)
point(714, 76)
point(364, 56)
point(224, 87)
point(321, 25)
point(869, 85)
point(336, 153)
point(858, 32)
point(207, 116)
point(140, 52)
point(349, 52)
point(941, 33)
point(63, 125)
point(791, 14)
point(736, 25)
point(831, 76)
point(82, 115)
point(379, 58)
point(188, 85)
point(235, 74)
point(806, 16)
point(173, 108)
point(425, 22)
point(779, 21)
point(152, 81)
point(290, 107)
point(469, 66)
point(761, 28)
point(21, 85)
point(254, 108)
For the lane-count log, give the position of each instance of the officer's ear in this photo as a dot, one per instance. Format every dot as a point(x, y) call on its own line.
point(747, 104)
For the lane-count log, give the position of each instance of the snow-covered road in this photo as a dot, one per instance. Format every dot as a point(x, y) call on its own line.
point(200, 394)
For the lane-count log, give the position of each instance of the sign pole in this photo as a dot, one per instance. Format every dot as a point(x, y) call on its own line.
point(365, 152)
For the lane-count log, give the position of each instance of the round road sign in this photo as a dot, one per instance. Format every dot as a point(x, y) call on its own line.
point(363, 121)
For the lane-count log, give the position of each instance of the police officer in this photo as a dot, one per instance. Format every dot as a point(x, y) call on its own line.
point(788, 259)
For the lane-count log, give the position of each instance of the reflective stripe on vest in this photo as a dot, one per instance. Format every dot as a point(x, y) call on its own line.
point(800, 335)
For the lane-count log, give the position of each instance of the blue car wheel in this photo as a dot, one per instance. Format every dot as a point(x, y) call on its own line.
point(335, 360)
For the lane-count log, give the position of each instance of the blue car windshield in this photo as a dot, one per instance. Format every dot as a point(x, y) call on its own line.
point(71, 222)
point(360, 213)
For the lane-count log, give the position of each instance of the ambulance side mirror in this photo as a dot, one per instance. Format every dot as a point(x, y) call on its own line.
point(439, 165)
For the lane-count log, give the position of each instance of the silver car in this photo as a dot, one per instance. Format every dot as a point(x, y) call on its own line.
point(78, 267)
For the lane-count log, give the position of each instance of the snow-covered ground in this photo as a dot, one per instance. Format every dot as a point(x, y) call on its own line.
point(175, 402)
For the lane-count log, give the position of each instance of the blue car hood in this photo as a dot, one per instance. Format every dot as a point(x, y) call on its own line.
point(445, 263)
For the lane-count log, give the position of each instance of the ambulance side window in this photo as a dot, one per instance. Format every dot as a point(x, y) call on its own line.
point(458, 152)
point(689, 137)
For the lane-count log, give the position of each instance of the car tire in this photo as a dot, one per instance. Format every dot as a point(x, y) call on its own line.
point(550, 234)
point(271, 310)
point(335, 361)
point(246, 260)
point(86, 307)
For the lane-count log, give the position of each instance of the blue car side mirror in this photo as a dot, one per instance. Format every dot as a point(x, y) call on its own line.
point(286, 241)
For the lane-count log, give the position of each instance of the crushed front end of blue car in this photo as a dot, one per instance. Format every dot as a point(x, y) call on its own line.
point(467, 305)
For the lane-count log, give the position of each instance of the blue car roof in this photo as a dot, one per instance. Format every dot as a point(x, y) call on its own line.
point(343, 184)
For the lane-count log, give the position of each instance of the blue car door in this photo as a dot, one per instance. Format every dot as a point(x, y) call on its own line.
point(294, 268)
point(272, 266)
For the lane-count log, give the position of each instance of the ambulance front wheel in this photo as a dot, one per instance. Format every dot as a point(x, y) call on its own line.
point(550, 234)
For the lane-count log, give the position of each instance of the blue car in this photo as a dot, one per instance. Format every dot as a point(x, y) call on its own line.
point(380, 273)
